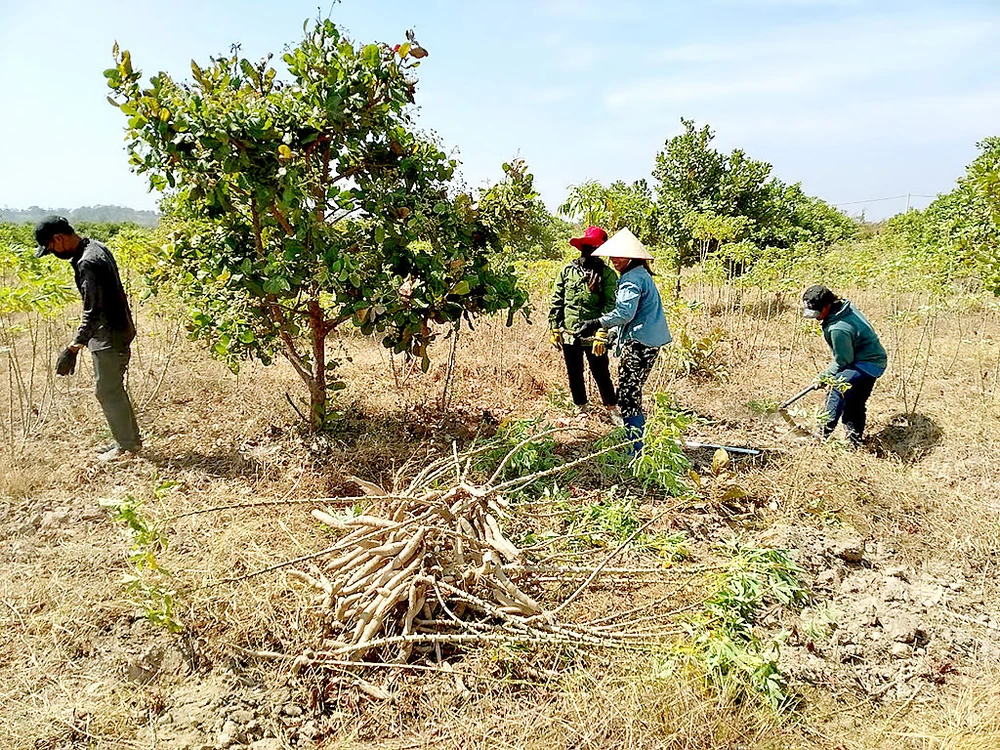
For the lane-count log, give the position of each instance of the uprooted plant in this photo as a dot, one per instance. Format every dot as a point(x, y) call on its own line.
point(434, 568)
point(662, 464)
point(429, 565)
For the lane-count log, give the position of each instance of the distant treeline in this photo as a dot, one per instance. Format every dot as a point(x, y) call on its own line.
point(88, 214)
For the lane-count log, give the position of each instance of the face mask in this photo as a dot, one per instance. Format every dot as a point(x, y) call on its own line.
point(808, 312)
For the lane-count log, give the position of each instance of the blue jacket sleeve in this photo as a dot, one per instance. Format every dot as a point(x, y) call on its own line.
point(626, 305)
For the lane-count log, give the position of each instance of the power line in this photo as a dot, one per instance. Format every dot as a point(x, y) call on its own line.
point(888, 198)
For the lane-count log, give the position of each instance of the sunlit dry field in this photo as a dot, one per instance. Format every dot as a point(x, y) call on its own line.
point(894, 644)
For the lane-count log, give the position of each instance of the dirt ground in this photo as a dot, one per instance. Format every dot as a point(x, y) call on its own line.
point(898, 541)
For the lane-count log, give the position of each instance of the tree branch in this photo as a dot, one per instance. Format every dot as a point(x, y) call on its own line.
point(282, 220)
point(291, 353)
point(321, 196)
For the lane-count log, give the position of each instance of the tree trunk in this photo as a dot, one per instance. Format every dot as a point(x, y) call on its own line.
point(313, 373)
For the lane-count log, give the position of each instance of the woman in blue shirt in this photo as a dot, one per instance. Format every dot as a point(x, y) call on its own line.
point(642, 326)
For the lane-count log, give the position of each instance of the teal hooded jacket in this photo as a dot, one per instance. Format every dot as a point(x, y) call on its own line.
point(853, 342)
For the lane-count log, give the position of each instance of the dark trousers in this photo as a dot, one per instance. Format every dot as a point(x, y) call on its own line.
point(633, 370)
point(849, 406)
point(599, 367)
point(109, 373)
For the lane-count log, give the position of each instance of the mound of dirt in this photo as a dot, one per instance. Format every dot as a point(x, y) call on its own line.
point(908, 437)
point(218, 714)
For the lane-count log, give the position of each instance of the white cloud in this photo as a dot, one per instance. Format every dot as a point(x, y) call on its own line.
point(549, 95)
point(791, 3)
point(655, 92)
point(808, 60)
point(578, 56)
point(555, 39)
point(875, 37)
point(914, 120)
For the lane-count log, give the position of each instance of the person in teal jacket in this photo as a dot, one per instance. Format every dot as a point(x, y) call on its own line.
point(640, 323)
point(584, 289)
point(858, 359)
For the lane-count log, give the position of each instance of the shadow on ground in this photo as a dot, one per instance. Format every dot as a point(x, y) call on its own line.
point(907, 437)
point(377, 445)
point(226, 464)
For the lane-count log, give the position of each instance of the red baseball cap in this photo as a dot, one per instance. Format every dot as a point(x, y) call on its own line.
point(593, 237)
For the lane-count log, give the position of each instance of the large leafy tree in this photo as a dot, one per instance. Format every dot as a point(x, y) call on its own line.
point(302, 199)
point(621, 204)
point(708, 202)
point(958, 234)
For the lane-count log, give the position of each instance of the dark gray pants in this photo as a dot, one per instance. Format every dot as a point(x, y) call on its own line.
point(109, 372)
point(599, 367)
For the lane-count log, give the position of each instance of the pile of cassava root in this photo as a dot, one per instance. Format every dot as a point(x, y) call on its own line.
point(428, 568)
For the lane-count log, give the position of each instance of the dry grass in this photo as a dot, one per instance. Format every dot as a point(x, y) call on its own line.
point(928, 488)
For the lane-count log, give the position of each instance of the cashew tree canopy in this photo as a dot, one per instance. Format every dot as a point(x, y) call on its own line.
point(302, 198)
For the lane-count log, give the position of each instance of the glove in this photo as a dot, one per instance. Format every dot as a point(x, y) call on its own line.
point(66, 364)
point(555, 336)
point(600, 342)
point(588, 327)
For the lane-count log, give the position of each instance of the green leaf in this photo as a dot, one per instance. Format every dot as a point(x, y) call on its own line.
point(461, 288)
point(371, 54)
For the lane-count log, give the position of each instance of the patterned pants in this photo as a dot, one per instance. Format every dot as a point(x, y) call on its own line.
point(636, 363)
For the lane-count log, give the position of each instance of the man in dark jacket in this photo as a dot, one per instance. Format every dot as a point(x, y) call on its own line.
point(858, 359)
point(106, 327)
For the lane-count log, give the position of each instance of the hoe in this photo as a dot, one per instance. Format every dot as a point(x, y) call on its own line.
point(756, 451)
point(726, 448)
point(805, 391)
point(782, 409)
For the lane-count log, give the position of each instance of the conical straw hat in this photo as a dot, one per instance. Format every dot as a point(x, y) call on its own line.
point(623, 245)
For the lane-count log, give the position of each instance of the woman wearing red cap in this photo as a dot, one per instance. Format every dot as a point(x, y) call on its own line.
point(585, 289)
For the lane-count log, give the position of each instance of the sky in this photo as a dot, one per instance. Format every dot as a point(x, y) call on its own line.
point(854, 99)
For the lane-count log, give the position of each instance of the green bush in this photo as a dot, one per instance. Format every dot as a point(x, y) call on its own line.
point(663, 464)
point(723, 640)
